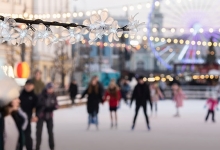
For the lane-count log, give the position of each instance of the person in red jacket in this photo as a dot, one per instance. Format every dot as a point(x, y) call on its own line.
point(212, 103)
point(113, 96)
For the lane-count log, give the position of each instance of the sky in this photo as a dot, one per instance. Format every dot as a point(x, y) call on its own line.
point(115, 7)
point(177, 13)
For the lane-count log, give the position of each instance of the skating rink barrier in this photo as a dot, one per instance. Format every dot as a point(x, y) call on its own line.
point(191, 92)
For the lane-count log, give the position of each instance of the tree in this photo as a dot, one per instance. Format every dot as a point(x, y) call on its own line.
point(62, 62)
point(211, 56)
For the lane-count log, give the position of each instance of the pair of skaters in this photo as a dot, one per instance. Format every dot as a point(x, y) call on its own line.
point(141, 95)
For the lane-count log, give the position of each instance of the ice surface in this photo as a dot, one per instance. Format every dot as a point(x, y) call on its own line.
point(189, 132)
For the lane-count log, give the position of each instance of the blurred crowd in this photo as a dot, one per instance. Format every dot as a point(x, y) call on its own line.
point(37, 101)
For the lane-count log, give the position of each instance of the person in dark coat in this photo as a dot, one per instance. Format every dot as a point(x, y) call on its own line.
point(28, 104)
point(141, 94)
point(94, 93)
point(73, 90)
point(46, 105)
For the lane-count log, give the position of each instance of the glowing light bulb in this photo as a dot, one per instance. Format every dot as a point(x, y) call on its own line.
point(154, 29)
point(181, 41)
point(187, 42)
point(201, 30)
point(80, 14)
point(157, 3)
point(58, 15)
point(68, 15)
point(144, 38)
point(211, 30)
point(181, 30)
point(139, 6)
point(175, 41)
point(148, 5)
point(145, 29)
point(131, 7)
point(169, 40)
point(126, 36)
point(138, 37)
point(125, 8)
point(163, 30)
point(172, 30)
point(74, 14)
point(88, 13)
point(191, 30)
point(199, 42)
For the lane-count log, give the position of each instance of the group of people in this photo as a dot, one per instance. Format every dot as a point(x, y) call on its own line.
point(16, 112)
point(143, 93)
point(16, 108)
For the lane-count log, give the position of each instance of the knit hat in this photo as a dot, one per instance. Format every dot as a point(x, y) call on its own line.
point(29, 81)
point(9, 90)
point(49, 85)
point(140, 77)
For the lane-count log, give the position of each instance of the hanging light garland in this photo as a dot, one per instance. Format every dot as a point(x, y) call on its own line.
point(96, 26)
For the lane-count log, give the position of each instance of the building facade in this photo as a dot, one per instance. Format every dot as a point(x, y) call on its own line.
point(9, 53)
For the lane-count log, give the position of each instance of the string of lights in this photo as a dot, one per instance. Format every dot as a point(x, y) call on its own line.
point(96, 26)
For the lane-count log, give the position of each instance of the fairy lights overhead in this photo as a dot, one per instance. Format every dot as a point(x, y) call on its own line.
point(96, 26)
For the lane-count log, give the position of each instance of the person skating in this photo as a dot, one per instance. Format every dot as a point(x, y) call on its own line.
point(178, 97)
point(156, 94)
point(28, 104)
point(46, 105)
point(125, 88)
point(38, 84)
point(113, 96)
point(212, 104)
point(10, 120)
point(73, 90)
point(94, 93)
point(141, 94)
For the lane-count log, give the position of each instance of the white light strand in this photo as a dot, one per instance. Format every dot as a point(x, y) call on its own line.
point(97, 26)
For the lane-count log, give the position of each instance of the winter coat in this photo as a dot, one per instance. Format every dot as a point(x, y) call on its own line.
point(178, 98)
point(28, 102)
point(47, 103)
point(93, 100)
point(38, 86)
point(102, 89)
point(125, 88)
point(2, 124)
point(19, 122)
point(141, 94)
point(114, 100)
point(156, 94)
point(73, 90)
point(212, 104)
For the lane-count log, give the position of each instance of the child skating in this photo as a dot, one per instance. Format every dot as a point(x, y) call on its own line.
point(156, 94)
point(113, 96)
point(178, 97)
point(212, 104)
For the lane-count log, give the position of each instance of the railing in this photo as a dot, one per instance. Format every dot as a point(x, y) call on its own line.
point(61, 92)
point(193, 92)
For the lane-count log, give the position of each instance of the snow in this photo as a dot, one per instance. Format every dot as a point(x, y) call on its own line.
point(189, 132)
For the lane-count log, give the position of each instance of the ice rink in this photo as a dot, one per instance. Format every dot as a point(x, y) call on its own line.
point(189, 132)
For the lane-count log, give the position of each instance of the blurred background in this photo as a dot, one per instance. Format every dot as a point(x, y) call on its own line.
point(180, 44)
point(181, 39)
